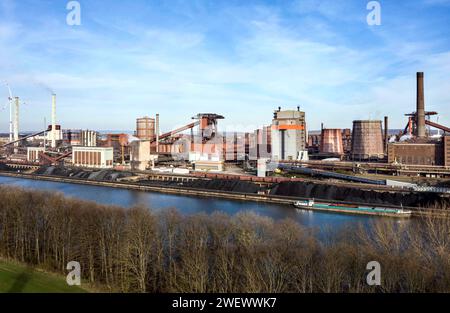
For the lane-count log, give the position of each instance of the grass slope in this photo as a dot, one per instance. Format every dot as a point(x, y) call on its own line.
point(16, 278)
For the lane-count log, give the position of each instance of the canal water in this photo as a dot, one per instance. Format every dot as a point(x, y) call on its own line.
point(191, 205)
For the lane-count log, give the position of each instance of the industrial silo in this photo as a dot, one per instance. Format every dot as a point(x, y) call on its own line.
point(145, 128)
point(367, 140)
point(331, 141)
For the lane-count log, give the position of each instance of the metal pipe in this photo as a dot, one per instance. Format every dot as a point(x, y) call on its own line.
point(420, 112)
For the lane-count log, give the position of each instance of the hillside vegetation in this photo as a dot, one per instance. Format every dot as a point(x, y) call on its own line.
point(137, 250)
point(16, 278)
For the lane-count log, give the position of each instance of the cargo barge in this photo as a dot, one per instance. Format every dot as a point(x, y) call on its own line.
point(310, 204)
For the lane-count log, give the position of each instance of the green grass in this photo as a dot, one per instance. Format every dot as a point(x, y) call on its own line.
point(16, 278)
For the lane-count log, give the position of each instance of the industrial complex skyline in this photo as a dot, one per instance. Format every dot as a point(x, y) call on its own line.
point(233, 149)
point(230, 57)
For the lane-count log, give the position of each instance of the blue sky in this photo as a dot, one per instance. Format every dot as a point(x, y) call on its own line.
point(241, 59)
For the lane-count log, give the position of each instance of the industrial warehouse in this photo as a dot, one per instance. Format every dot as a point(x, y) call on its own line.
point(368, 156)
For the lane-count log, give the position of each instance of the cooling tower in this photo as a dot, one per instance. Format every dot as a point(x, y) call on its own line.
point(367, 140)
point(332, 141)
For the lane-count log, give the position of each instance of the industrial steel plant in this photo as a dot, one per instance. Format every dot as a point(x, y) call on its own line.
point(236, 150)
point(199, 146)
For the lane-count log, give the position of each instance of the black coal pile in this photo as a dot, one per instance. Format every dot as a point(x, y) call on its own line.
point(215, 184)
point(445, 184)
point(323, 191)
point(97, 175)
point(224, 185)
point(5, 168)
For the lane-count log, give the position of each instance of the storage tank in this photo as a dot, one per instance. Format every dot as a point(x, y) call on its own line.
point(367, 140)
point(145, 128)
point(88, 138)
point(331, 141)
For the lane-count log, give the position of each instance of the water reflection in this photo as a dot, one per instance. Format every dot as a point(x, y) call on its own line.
point(192, 205)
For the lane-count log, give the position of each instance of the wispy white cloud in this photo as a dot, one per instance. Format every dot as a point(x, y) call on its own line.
point(244, 61)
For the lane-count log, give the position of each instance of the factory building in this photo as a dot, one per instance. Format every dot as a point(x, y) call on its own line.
point(446, 140)
point(367, 140)
point(95, 157)
point(420, 149)
point(260, 143)
point(58, 133)
point(211, 151)
point(347, 140)
point(78, 137)
point(314, 138)
point(119, 142)
point(88, 138)
point(208, 165)
point(236, 146)
point(416, 153)
point(178, 147)
point(33, 153)
point(288, 134)
point(140, 156)
point(71, 137)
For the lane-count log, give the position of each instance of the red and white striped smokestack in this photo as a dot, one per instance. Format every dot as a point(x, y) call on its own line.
point(420, 112)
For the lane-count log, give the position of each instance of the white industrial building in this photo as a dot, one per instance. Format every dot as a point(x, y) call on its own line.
point(206, 166)
point(141, 156)
point(289, 135)
point(206, 161)
point(58, 134)
point(33, 153)
point(94, 157)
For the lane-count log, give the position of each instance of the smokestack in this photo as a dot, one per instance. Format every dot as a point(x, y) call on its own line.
point(53, 121)
point(410, 126)
point(16, 120)
point(386, 135)
point(420, 112)
point(157, 133)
